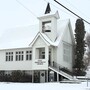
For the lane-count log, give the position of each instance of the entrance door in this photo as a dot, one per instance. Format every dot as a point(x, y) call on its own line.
point(42, 76)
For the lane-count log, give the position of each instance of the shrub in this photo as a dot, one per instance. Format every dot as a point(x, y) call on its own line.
point(16, 76)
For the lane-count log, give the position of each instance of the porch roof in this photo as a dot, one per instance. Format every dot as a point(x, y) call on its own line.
point(44, 37)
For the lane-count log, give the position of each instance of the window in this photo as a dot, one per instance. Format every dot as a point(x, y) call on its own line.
point(66, 52)
point(9, 56)
point(43, 55)
point(19, 56)
point(28, 55)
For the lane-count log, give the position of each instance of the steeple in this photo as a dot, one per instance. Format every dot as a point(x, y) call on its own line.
point(48, 9)
point(48, 23)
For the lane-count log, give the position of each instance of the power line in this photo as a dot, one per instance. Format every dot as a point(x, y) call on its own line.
point(59, 8)
point(27, 8)
point(76, 8)
point(71, 11)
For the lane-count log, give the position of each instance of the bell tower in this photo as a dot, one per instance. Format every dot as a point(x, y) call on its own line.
point(48, 23)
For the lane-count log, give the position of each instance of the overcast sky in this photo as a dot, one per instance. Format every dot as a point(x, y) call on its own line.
point(13, 14)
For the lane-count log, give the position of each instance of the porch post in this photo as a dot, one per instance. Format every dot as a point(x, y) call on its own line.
point(47, 58)
point(32, 76)
point(57, 77)
point(47, 53)
point(47, 75)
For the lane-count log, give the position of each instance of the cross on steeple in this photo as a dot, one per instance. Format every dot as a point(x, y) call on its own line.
point(48, 9)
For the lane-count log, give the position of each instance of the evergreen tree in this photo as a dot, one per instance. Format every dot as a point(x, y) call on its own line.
point(79, 49)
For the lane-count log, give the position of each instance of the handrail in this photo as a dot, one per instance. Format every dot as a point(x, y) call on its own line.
point(60, 68)
point(61, 73)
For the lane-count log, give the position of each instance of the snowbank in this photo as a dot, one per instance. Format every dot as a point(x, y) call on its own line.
point(44, 86)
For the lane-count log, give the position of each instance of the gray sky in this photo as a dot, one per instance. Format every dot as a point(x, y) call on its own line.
point(12, 14)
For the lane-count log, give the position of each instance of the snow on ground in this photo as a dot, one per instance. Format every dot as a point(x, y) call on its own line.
point(44, 86)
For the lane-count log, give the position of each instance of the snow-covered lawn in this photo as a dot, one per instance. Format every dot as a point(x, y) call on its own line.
point(44, 86)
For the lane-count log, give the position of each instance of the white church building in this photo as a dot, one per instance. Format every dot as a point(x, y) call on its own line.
point(45, 51)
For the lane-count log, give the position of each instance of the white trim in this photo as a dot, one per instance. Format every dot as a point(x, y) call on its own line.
point(34, 40)
point(71, 32)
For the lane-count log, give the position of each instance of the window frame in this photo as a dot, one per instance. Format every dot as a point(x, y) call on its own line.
point(28, 55)
point(9, 56)
point(19, 55)
point(67, 52)
point(43, 55)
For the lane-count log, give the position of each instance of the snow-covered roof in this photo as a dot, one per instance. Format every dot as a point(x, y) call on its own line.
point(22, 37)
point(18, 37)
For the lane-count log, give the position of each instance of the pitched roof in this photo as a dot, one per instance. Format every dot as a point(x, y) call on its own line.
point(18, 37)
point(22, 37)
point(44, 37)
